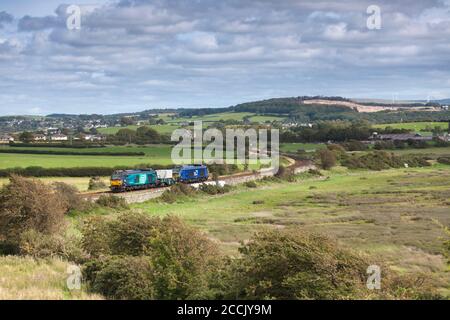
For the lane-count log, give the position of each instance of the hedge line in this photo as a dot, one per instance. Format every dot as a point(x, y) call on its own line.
point(101, 171)
point(73, 153)
point(57, 145)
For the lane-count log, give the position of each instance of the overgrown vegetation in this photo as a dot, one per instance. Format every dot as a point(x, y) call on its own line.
point(29, 206)
point(112, 201)
point(381, 160)
point(148, 258)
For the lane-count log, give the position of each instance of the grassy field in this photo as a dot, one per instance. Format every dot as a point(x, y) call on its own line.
point(398, 214)
point(81, 183)
point(166, 129)
point(294, 147)
point(414, 126)
point(157, 154)
point(24, 278)
point(429, 152)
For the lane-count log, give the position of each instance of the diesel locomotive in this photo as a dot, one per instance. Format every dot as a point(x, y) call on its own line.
point(130, 180)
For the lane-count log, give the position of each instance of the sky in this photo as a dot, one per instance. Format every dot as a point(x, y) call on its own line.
point(131, 55)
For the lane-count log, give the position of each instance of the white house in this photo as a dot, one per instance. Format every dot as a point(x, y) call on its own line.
point(59, 137)
point(6, 139)
point(93, 137)
point(39, 137)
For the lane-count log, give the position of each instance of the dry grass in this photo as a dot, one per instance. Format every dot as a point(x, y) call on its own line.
point(23, 278)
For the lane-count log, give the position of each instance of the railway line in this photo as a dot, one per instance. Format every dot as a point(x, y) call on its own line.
point(235, 179)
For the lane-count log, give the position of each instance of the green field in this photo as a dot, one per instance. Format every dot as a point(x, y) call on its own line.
point(294, 147)
point(156, 154)
point(414, 126)
point(165, 129)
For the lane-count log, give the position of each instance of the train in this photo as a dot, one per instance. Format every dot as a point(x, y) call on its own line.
point(141, 179)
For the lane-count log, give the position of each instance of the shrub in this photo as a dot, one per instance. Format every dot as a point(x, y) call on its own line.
point(39, 245)
point(251, 184)
point(27, 204)
point(327, 159)
point(183, 259)
point(180, 259)
point(131, 232)
point(111, 201)
point(212, 189)
point(121, 277)
point(177, 192)
point(444, 160)
point(97, 234)
point(381, 160)
point(96, 183)
point(70, 196)
point(354, 145)
point(290, 264)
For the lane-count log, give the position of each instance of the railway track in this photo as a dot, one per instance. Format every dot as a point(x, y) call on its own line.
point(145, 195)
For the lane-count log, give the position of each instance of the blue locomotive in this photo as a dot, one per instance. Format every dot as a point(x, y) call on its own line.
point(192, 174)
point(129, 180)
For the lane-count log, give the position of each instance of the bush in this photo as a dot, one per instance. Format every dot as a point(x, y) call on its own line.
point(111, 201)
point(27, 204)
point(131, 233)
point(354, 145)
point(123, 277)
point(251, 184)
point(382, 160)
point(444, 160)
point(177, 192)
point(173, 261)
point(290, 264)
point(70, 196)
point(327, 159)
point(97, 235)
point(39, 245)
point(212, 189)
point(96, 183)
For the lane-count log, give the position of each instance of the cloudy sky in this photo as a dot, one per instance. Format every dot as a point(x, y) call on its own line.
point(131, 55)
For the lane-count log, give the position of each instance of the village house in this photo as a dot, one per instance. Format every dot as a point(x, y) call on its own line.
point(6, 139)
point(94, 137)
point(39, 137)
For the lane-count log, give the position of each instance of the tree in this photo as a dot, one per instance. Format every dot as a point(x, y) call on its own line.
point(327, 159)
point(148, 135)
point(126, 121)
point(26, 137)
point(126, 135)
